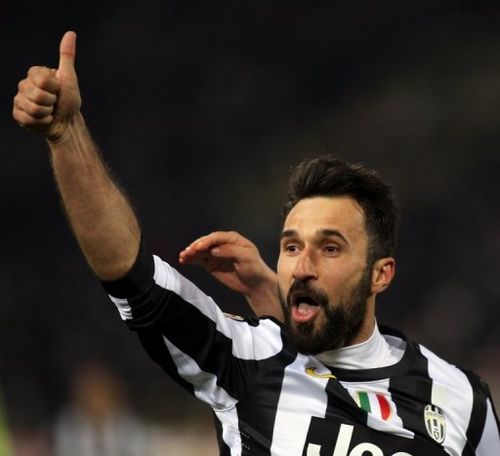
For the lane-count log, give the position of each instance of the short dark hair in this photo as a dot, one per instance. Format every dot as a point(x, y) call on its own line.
point(329, 176)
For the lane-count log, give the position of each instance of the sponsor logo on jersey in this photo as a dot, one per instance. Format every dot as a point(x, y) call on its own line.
point(376, 404)
point(343, 446)
point(312, 371)
point(334, 436)
point(435, 423)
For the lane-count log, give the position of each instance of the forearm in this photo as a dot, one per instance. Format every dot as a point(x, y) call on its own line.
point(102, 219)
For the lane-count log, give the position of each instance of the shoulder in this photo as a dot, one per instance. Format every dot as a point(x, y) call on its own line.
point(455, 377)
point(451, 387)
point(458, 397)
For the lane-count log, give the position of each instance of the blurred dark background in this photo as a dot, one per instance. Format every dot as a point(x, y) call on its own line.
point(200, 107)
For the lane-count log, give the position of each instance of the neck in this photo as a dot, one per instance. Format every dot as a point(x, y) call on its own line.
point(371, 353)
point(367, 326)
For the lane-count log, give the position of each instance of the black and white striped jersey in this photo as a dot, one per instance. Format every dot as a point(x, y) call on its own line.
point(270, 400)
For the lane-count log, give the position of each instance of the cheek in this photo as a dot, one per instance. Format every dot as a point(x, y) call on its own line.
point(284, 271)
point(337, 285)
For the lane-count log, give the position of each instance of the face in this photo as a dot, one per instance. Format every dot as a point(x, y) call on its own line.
point(323, 279)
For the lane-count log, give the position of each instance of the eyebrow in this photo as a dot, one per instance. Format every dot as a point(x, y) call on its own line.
point(325, 232)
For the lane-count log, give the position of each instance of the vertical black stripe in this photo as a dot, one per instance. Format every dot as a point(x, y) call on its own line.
point(411, 393)
point(478, 414)
point(257, 411)
point(495, 414)
point(342, 405)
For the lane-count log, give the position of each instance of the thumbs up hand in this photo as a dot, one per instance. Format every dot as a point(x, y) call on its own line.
point(48, 99)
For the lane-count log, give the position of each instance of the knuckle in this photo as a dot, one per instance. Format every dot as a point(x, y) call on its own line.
point(45, 81)
point(38, 111)
point(15, 113)
point(40, 79)
point(20, 117)
point(21, 85)
point(38, 96)
point(35, 69)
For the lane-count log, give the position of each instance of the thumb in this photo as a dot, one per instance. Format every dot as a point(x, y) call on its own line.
point(67, 52)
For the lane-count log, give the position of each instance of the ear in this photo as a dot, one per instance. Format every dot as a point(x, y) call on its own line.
point(382, 274)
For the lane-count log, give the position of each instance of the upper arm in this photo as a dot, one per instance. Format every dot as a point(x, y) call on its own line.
point(215, 357)
point(489, 442)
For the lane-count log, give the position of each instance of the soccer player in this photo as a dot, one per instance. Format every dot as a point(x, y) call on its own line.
point(328, 381)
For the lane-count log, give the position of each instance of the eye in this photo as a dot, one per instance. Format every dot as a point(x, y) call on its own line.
point(290, 247)
point(332, 249)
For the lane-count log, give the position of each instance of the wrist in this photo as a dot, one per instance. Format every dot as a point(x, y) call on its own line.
point(264, 293)
point(65, 132)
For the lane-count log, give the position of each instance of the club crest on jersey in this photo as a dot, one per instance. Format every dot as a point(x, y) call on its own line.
point(376, 404)
point(435, 422)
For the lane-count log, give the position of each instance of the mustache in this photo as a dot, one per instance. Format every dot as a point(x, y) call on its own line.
point(300, 288)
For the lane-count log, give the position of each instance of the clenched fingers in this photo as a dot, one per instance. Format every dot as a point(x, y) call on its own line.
point(30, 122)
point(36, 98)
point(31, 108)
point(44, 94)
point(44, 78)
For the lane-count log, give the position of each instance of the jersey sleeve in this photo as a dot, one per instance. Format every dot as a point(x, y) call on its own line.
point(484, 429)
point(216, 357)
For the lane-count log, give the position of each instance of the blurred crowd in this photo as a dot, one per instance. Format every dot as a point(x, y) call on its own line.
point(97, 421)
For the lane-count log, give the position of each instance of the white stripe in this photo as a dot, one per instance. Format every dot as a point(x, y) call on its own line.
point(490, 440)
point(374, 405)
point(452, 393)
point(123, 307)
point(290, 428)
point(204, 383)
point(252, 343)
point(230, 431)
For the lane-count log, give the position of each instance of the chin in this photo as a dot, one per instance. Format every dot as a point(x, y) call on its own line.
point(311, 340)
point(329, 330)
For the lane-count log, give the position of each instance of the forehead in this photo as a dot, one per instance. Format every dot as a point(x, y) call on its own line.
point(341, 213)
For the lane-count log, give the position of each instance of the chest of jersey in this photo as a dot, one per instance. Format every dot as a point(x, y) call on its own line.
point(316, 415)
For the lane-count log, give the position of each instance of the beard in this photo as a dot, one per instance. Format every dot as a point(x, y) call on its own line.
point(340, 323)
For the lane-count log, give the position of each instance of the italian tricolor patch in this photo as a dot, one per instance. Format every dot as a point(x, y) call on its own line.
point(374, 403)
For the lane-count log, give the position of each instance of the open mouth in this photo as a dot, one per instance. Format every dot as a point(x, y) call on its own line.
point(303, 308)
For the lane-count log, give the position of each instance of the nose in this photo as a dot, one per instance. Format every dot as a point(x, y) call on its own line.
point(305, 269)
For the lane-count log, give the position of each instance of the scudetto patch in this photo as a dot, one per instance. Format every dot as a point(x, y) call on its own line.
point(376, 404)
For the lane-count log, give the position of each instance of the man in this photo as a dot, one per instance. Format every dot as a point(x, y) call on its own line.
point(327, 382)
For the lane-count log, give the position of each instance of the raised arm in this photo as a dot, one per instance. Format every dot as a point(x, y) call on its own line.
point(48, 103)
